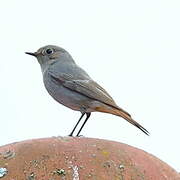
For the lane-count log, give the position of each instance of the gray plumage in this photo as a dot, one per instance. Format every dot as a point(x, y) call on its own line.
point(71, 86)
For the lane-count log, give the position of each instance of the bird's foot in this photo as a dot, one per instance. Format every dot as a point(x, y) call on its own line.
point(79, 136)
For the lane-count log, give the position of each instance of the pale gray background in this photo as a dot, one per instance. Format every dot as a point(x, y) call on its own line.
point(130, 47)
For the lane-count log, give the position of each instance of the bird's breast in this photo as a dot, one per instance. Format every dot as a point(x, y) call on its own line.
point(65, 96)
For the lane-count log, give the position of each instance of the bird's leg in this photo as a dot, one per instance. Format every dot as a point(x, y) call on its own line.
point(87, 117)
point(71, 134)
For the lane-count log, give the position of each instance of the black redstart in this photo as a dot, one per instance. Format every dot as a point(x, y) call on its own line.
point(71, 86)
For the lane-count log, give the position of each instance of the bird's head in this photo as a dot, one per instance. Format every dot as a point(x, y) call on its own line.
point(51, 53)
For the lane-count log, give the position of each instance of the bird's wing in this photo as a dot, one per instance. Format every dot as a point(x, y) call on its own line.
point(86, 87)
point(91, 89)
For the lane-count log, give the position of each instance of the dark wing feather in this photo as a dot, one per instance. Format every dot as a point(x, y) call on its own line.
point(87, 88)
point(90, 89)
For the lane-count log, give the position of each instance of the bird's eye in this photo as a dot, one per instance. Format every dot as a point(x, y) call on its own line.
point(49, 51)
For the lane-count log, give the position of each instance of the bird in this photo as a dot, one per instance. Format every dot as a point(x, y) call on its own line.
point(72, 87)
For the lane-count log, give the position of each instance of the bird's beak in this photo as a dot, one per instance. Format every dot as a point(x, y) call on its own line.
point(32, 54)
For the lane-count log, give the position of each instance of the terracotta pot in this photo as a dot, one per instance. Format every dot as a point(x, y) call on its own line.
point(72, 158)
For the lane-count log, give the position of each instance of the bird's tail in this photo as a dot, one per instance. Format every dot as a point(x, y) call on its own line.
point(120, 112)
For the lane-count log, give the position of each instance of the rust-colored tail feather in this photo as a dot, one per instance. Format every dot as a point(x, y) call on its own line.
point(120, 112)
